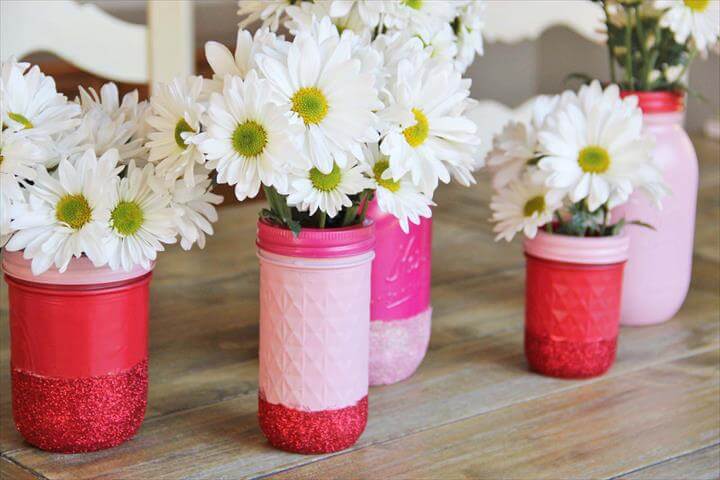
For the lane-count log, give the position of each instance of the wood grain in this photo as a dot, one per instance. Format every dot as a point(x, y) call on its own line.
point(203, 345)
point(703, 464)
point(12, 471)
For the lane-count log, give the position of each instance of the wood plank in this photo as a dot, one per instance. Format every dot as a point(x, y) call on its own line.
point(598, 430)
point(702, 464)
point(12, 471)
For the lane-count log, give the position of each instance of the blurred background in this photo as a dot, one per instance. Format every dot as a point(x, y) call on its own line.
point(514, 68)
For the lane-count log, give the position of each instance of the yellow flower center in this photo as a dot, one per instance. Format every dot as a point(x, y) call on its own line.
point(326, 182)
point(534, 205)
point(593, 159)
point(182, 127)
point(310, 103)
point(127, 218)
point(21, 120)
point(249, 139)
point(73, 210)
point(418, 133)
point(697, 5)
point(378, 170)
point(416, 4)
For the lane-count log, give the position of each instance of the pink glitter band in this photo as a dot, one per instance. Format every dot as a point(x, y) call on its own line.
point(74, 415)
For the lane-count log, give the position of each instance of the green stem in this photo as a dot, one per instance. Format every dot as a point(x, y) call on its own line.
point(323, 219)
point(629, 80)
point(365, 204)
point(645, 70)
point(693, 54)
point(611, 57)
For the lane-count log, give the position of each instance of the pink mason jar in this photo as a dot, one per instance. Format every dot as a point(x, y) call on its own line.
point(572, 303)
point(78, 353)
point(657, 275)
point(314, 326)
point(400, 310)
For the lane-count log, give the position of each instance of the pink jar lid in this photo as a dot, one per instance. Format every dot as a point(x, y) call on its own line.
point(657, 102)
point(80, 271)
point(583, 250)
point(317, 242)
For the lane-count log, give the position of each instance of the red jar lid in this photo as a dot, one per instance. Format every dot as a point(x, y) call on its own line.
point(317, 242)
point(657, 102)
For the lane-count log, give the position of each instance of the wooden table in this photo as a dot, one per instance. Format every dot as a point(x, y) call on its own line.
point(472, 410)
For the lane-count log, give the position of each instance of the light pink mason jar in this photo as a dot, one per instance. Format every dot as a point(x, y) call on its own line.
point(657, 275)
point(400, 310)
point(314, 326)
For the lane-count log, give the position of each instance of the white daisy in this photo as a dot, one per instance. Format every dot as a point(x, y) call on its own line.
point(249, 140)
point(414, 13)
point(594, 148)
point(513, 148)
point(311, 190)
point(196, 205)
point(66, 217)
point(176, 117)
point(30, 103)
point(268, 11)
point(369, 12)
point(324, 87)
point(141, 220)
point(427, 132)
point(223, 62)
point(399, 198)
point(8, 208)
point(439, 40)
point(18, 159)
point(697, 20)
point(108, 124)
point(522, 206)
point(468, 27)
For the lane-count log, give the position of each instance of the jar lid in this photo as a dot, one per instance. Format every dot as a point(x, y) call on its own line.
point(317, 242)
point(583, 250)
point(657, 102)
point(80, 271)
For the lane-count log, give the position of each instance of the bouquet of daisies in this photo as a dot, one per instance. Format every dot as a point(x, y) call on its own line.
point(450, 30)
point(77, 178)
point(654, 41)
point(580, 156)
point(323, 124)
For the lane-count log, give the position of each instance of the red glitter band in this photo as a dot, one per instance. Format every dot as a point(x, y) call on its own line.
point(74, 415)
point(312, 432)
point(569, 359)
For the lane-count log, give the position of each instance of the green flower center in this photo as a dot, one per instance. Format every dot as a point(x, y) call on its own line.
point(249, 139)
point(127, 218)
point(182, 127)
point(697, 5)
point(326, 182)
point(418, 133)
point(21, 120)
point(416, 4)
point(594, 159)
point(534, 205)
point(378, 169)
point(310, 103)
point(73, 210)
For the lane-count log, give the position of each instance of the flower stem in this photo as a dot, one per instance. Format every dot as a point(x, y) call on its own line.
point(611, 57)
point(629, 80)
point(323, 219)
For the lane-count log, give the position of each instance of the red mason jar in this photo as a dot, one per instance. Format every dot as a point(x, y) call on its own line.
point(572, 303)
point(78, 353)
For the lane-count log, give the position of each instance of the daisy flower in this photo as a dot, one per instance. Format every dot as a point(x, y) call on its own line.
point(698, 20)
point(414, 13)
point(268, 11)
point(66, 217)
point(8, 209)
point(324, 87)
point(249, 140)
point(368, 11)
point(196, 205)
point(176, 116)
point(399, 198)
point(18, 159)
point(594, 149)
point(468, 28)
point(523, 206)
point(312, 190)
point(427, 132)
point(30, 103)
point(141, 220)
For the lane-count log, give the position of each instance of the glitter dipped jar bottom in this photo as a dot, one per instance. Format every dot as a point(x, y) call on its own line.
point(312, 432)
point(572, 303)
point(397, 347)
point(78, 354)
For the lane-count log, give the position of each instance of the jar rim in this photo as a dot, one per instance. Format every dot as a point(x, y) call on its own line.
point(657, 101)
point(582, 250)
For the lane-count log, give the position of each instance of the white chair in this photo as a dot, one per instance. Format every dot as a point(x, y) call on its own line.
point(99, 43)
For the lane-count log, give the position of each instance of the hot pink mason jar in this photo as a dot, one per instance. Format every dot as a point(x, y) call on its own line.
point(314, 326)
point(572, 303)
point(78, 353)
point(657, 275)
point(400, 309)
